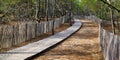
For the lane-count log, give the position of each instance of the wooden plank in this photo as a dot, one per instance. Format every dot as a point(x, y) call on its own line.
point(30, 30)
point(15, 34)
point(119, 46)
point(1, 36)
point(44, 25)
point(38, 29)
point(42, 28)
point(108, 53)
point(41, 31)
point(7, 36)
point(115, 54)
point(102, 43)
point(50, 25)
point(47, 26)
point(33, 29)
point(106, 42)
point(22, 32)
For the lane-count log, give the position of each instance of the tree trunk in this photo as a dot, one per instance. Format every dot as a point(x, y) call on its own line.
point(111, 14)
point(53, 16)
point(37, 9)
point(47, 10)
point(70, 13)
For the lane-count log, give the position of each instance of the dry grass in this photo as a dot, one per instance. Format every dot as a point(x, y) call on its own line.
point(83, 45)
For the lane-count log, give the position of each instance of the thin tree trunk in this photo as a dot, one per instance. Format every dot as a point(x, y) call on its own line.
point(37, 9)
point(53, 14)
point(70, 13)
point(118, 26)
point(47, 10)
point(111, 14)
point(44, 9)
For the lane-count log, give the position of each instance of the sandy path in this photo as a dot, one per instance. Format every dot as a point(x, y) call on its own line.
point(83, 45)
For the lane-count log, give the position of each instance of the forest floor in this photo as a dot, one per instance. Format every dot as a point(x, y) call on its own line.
point(83, 45)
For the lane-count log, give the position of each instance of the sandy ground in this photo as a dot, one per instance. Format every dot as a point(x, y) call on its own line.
point(83, 45)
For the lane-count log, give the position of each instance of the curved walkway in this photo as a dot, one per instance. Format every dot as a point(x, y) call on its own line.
point(37, 47)
point(83, 45)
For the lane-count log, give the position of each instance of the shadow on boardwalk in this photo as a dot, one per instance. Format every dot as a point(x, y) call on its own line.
point(83, 45)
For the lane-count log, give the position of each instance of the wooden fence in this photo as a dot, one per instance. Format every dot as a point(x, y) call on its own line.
point(109, 42)
point(12, 35)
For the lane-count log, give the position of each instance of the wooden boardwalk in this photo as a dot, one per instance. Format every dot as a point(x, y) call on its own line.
point(34, 48)
point(82, 45)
